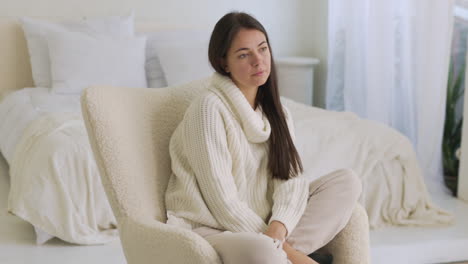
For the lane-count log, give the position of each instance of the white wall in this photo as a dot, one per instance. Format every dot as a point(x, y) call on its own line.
point(313, 41)
point(279, 17)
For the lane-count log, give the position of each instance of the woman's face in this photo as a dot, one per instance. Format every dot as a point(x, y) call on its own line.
point(248, 59)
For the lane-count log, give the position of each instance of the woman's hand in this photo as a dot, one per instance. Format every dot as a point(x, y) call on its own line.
point(276, 230)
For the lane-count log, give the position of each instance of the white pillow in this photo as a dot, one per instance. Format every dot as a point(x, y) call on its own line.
point(36, 31)
point(79, 60)
point(185, 62)
point(161, 41)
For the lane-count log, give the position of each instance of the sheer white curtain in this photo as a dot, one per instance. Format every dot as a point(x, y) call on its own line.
point(388, 61)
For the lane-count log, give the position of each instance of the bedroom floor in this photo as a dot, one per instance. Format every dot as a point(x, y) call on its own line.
point(425, 245)
point(390, 245)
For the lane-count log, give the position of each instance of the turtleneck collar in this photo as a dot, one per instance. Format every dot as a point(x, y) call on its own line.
point(254, 123)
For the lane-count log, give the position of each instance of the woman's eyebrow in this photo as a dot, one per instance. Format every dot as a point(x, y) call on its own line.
point(240, 49)
point(261, 43)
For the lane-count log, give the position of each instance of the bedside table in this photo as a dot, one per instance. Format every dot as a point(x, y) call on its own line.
point(296, 78)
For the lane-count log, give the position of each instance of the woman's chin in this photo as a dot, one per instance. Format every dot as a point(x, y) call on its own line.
point(260, 81)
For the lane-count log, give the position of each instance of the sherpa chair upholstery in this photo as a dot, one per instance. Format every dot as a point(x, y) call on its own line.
point(129, 131)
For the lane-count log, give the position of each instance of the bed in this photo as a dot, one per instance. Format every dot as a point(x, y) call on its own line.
point(55, 185)
point(54, 181)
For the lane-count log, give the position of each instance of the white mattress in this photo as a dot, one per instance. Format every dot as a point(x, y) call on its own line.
point(21, 107)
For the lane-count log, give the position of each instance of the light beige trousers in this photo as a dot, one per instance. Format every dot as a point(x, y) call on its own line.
point(330, 205)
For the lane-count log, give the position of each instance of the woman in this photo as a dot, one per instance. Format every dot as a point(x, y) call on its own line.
point(236, 177)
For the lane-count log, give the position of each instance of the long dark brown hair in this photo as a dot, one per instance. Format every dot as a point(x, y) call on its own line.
point(283, 160)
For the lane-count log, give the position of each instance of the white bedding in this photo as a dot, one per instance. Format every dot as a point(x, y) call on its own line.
point(394, 191)
point(54, 181)
point(21, 107)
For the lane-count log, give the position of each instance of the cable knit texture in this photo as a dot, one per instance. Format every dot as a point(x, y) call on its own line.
point(220, 177)
point(129, 132)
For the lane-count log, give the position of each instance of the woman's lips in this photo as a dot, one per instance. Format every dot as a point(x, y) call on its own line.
point(259, 73)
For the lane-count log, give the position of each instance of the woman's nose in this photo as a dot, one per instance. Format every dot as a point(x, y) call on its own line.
point(256, 58)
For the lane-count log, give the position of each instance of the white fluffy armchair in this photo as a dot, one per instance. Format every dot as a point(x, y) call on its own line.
point(129, 130)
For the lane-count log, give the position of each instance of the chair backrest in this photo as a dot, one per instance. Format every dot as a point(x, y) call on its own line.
point(129, 131)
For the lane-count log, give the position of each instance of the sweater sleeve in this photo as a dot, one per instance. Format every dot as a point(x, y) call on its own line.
point(208, 155)
point(289, 196)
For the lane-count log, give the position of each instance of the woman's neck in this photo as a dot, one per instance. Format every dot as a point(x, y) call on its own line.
point(250, 94)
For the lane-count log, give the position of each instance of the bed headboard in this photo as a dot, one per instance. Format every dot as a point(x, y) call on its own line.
point(15, 68)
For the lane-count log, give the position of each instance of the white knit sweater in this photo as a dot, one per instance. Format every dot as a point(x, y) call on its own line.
point(220, 179)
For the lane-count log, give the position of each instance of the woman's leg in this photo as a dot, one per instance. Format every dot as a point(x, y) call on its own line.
point(331, 202)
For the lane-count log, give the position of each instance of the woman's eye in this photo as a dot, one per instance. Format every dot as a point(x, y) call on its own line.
point(242, 56)
point(263, 48)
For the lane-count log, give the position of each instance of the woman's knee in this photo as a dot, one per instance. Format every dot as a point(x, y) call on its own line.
point(249, 248)
point(350, 182)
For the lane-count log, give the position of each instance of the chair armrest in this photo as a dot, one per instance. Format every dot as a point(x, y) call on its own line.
point(150, 241)
point(351, 245)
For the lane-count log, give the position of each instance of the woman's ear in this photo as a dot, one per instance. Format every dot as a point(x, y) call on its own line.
point(224, 65)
